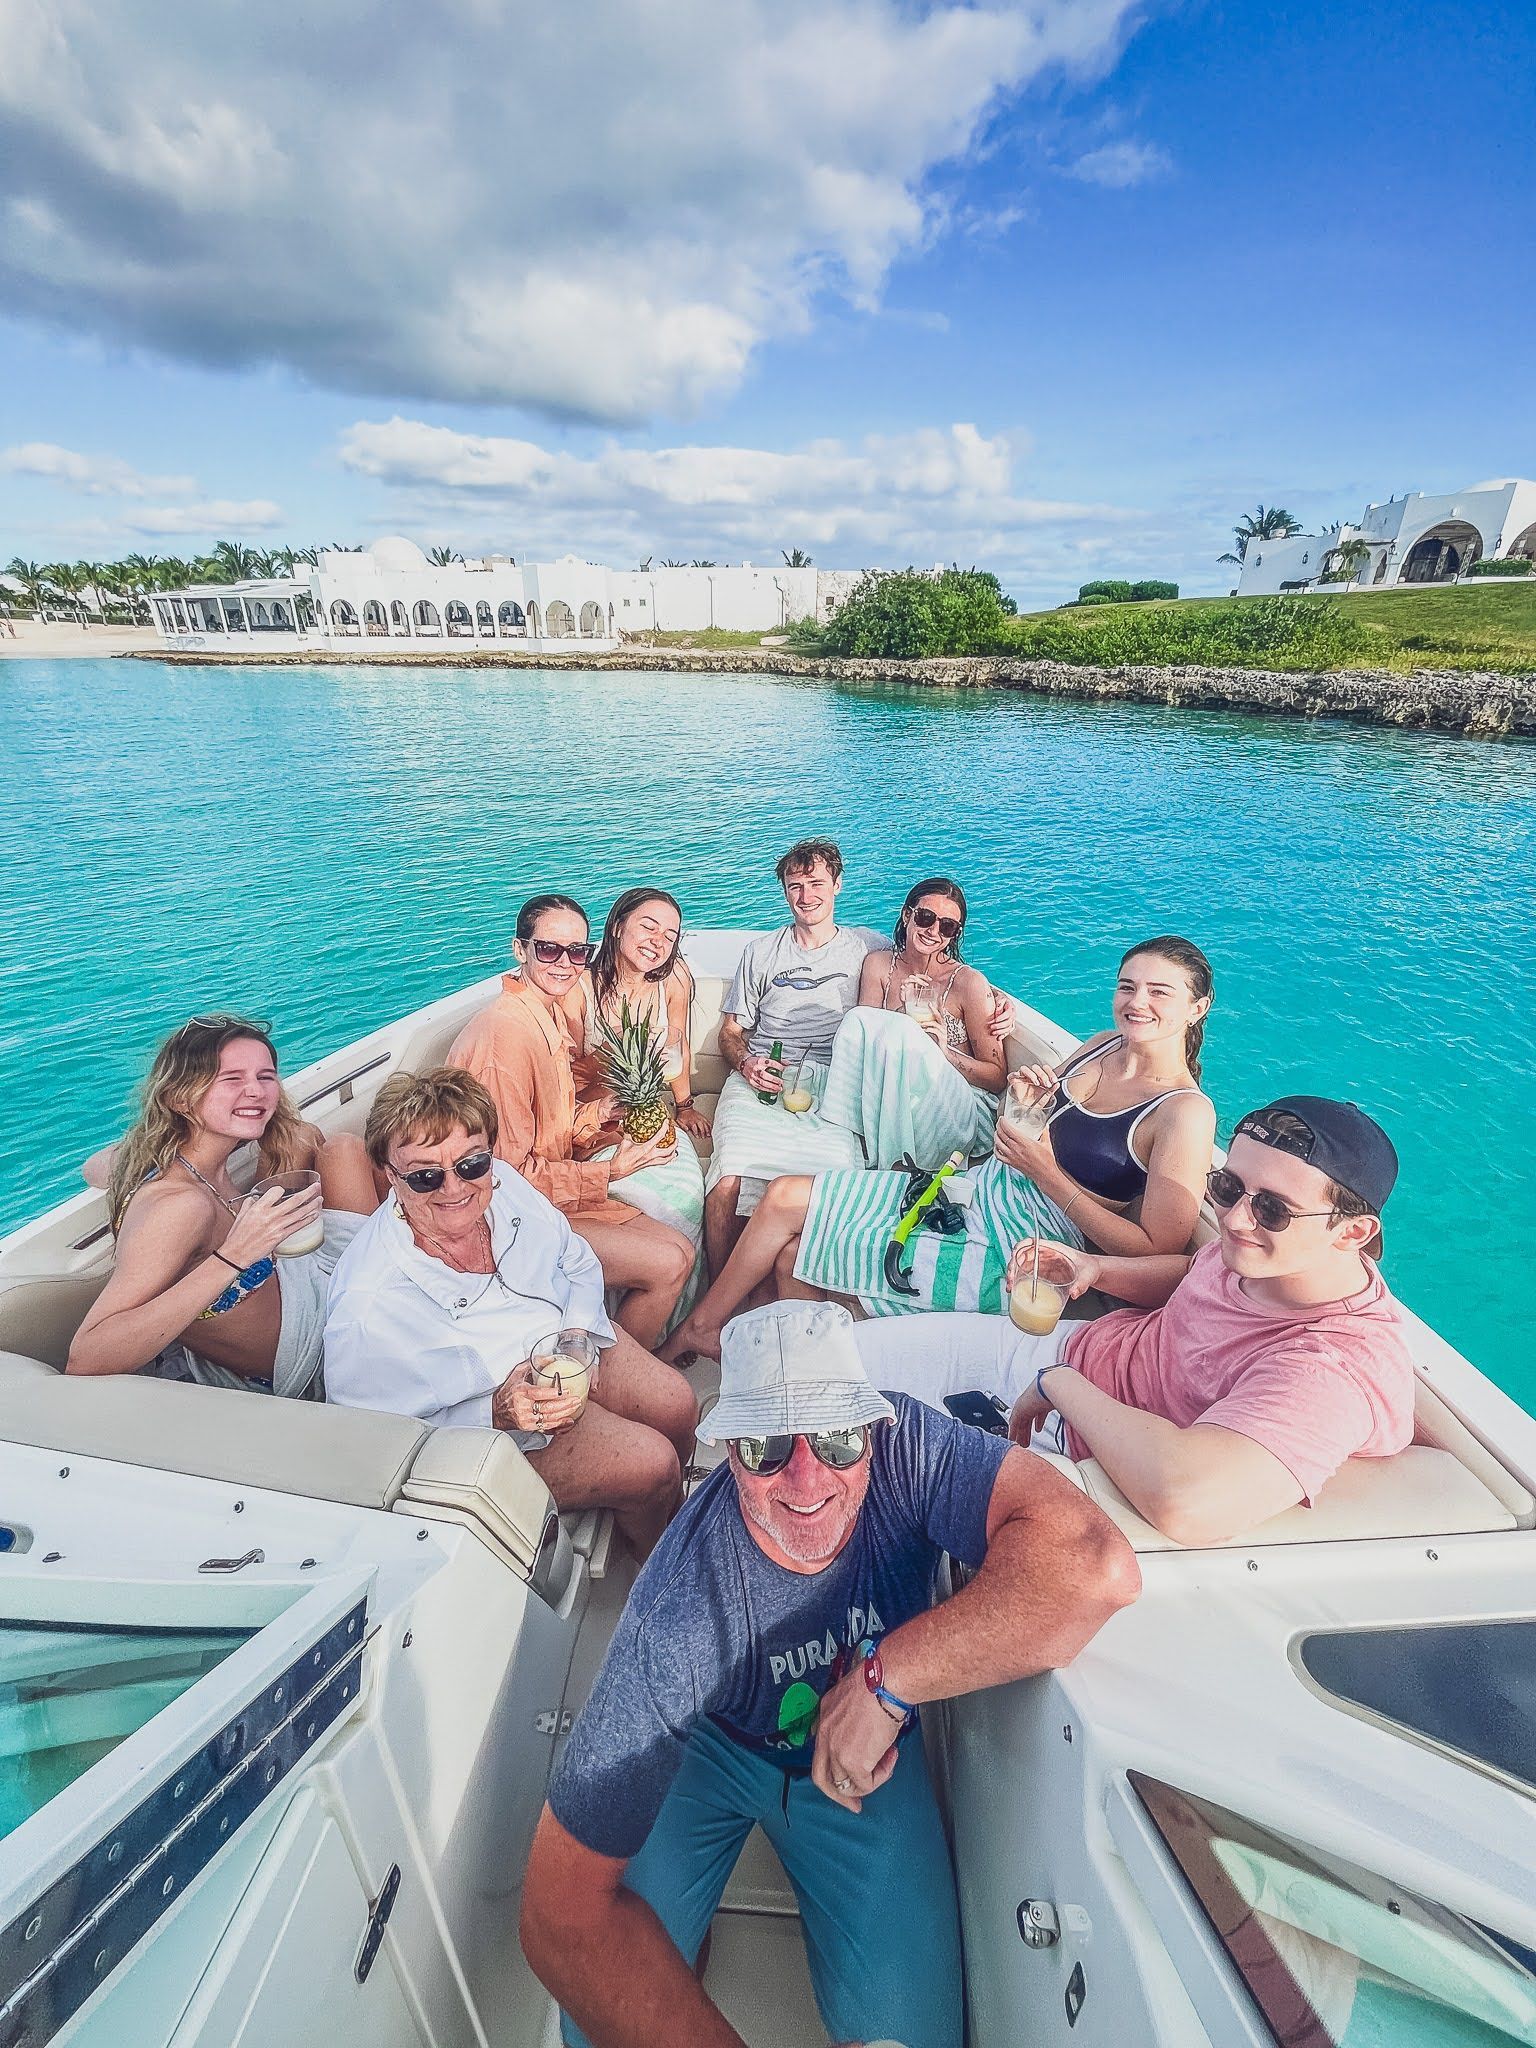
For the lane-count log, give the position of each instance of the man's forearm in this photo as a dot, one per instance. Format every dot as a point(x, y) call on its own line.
point(1145, 1455)
point(733, 1043)
point(1048, 1584)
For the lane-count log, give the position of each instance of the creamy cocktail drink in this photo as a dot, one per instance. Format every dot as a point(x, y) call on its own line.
point(1035, 1306)
point(312, 1236)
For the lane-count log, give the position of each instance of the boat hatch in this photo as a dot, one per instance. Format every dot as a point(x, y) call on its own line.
point(1333, 1955)
point(1468, 1687)
point(214, 1718)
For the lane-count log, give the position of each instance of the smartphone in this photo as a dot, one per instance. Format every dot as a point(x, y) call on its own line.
point(981, 1411)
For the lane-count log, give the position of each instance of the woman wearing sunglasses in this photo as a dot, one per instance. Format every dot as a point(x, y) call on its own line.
point(198, 1290)
point(915, 1067)
point(1120, 1165)
point(524, 1049)
point(448, 1290)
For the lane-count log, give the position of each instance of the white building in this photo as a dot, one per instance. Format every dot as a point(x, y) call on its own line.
point(392, 592)
point(1414, 539)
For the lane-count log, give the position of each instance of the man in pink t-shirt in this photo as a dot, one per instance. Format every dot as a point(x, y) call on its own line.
point(1242, 1378)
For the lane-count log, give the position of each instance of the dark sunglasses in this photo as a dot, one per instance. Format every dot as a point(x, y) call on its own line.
point(925, 920)
point(766, 1455)
point(426, 1180)
point(1269, 1212)
point(548, 951)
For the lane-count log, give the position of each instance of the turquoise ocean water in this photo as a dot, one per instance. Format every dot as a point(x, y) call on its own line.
point(331, 847)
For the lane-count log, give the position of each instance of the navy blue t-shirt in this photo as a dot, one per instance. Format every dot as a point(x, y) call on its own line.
point(715, 1627)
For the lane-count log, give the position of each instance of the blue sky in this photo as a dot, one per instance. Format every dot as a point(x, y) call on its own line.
point(1061, 290)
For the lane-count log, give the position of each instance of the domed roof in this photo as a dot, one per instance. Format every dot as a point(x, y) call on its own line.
point(394, 551)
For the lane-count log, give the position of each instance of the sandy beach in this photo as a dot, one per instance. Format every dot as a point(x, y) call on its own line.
point(30, 640)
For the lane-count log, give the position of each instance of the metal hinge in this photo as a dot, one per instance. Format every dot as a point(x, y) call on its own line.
point(1039, 1925)
point(378, 1920)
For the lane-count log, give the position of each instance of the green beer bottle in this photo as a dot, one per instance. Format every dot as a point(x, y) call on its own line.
point(768, 1094)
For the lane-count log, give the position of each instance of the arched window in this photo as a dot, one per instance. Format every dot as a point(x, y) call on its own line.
point(374, 620)
point(485, 624)
point(425, 618)
point(559, 620)
point(280, 619)
point(259, 616)
point(399, 617)
point(591, 621)
point(1443, 553)
point(534, 628)
point(512, 620)
point(343, 618)
point(460, 623)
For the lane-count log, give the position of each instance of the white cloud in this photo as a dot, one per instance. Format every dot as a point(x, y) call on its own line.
point(99, 476)
point(1119, 164)
point(206, 516)
point(936, 493)
point(599, 213)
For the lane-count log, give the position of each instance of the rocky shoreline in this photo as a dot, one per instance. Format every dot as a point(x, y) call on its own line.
point(1482, 705)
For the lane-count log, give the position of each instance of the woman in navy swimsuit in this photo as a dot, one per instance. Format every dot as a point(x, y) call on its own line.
point(196, 1291)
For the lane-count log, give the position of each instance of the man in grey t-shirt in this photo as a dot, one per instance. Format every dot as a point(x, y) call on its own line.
point(793, 988)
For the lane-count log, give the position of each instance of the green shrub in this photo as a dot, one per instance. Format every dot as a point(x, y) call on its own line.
point(1144, 592)
point(1506, 565)
point(907, 615)
point(1107, 589)
point(1094, 597)
point(803, 636)
point(1264, 632)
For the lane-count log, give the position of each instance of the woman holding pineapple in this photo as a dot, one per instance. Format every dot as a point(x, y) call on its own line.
point(521, 1049)
point(637, 994)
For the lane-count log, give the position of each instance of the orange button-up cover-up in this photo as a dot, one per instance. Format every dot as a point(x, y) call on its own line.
point(520, 1051)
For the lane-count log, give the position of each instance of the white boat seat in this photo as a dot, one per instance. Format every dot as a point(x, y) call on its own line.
point(479, 1479)
point(592, 1535)
point(351, 1455)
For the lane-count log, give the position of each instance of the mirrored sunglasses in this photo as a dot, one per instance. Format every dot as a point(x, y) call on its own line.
point(765, 1455)
point(1269, 1212)
point(426, 1180)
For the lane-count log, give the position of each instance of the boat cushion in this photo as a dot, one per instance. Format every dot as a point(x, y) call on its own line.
point(1419, 1492)
point(350, 1455)
point(481, 1480)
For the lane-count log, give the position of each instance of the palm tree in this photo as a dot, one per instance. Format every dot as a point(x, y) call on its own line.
point(673, 562)
point(702, 562)
point(442, 558)
point(232, 562)
point(1266, 523)
point(1344, 563)
point(796, 558)
point(33, 578)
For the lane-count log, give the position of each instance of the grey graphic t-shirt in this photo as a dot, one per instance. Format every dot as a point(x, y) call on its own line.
point(714, 1627)
point(786, 992)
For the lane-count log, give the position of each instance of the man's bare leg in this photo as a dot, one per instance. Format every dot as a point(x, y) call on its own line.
point(605, 1461)
point(722, 1226)
point(650, 1262)
point(778, 1218)
point(634, 1384)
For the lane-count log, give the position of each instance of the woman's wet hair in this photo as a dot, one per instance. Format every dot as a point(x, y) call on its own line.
point(936, 885)
point(426, 1107)
point(1185, 955)
point(534, 909)
point(180, 1075)
point(605, 962)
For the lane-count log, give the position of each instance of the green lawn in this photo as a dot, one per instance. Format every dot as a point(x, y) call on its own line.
point(1479, 625)
point(709, 638)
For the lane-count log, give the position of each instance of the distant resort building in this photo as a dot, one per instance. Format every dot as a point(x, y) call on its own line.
point(1407, 540)
point(390, 591)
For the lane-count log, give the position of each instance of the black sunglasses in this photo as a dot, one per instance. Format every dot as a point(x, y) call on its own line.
point(1269, 1212)
point(548, 951)
point(426, 1180)
point(925, 920)
point(766, 1455)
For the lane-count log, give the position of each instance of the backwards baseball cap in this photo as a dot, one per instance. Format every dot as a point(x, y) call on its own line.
point(788, 1370)
point(1338, 1138)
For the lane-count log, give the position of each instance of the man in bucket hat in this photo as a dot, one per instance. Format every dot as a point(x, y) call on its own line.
point(768, 1668)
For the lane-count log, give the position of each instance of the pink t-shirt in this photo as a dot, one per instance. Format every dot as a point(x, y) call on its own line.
point(1313, 1386)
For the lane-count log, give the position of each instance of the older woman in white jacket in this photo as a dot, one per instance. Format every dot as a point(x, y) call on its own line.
point(438, 1302)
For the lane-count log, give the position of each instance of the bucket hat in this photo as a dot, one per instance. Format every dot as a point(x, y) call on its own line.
point(790, 1369)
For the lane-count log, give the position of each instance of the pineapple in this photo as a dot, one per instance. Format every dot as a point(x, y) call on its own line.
point(631, 1063)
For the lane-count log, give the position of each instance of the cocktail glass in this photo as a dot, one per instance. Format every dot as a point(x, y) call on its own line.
point(799, 1094)
point(1035, 1305)
point(564, 1360)
point(312, 1236)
